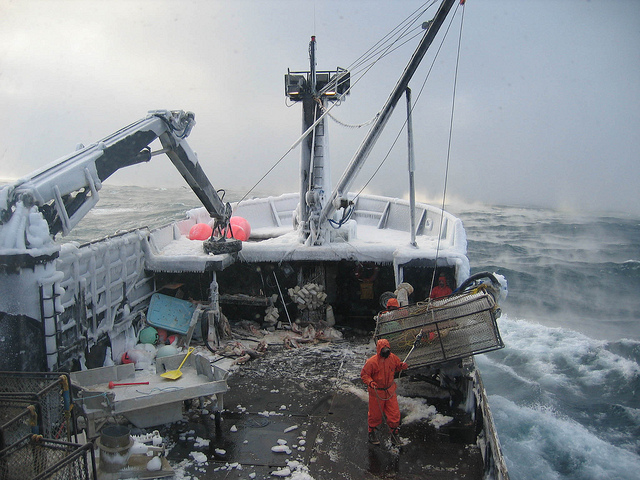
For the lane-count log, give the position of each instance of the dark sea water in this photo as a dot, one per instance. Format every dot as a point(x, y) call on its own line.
point(565, 391)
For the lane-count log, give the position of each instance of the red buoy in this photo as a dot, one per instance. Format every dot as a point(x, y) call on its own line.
point(162, 336)
point(238, 233)
point(242, 223)
point(200, 231)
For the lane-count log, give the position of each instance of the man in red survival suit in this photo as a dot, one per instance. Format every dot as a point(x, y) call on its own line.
point(378, 373)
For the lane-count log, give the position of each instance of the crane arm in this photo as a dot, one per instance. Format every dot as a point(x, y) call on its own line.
point(65, 190)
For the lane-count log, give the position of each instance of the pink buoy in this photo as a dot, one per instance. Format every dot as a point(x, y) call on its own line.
point(238, 233)
point(242, 223)
point(200, 231)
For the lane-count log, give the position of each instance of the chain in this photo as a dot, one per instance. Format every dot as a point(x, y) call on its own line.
point(324, 110)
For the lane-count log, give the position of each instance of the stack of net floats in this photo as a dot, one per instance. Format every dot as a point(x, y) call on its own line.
point(452, 327)
point(37, 429)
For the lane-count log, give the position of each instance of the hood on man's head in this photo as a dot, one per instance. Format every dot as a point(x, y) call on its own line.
point(383, 342)
point(393, 304)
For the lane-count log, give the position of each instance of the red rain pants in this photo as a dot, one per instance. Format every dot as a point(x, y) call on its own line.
point(381, 401)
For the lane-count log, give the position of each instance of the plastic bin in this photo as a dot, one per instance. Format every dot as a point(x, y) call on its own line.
point(170, 313)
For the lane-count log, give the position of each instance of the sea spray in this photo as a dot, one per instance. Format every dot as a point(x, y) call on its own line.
point(563, 403)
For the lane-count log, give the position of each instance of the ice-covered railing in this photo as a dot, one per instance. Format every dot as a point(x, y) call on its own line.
point(98, 289)
point(395, 214)
point(26, 228)
point(273, 216)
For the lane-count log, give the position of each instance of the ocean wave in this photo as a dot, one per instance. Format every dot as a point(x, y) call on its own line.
point(112, 211)
point(629, 349)
point(539, 443)
point(552, 380)
point(554, 356)
point(632, 265)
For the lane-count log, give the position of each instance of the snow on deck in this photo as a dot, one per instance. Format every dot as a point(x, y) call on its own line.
point(371, 244)
point(377, 233)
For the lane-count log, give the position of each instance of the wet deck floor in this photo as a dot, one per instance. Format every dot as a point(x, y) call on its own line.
point(318, 390)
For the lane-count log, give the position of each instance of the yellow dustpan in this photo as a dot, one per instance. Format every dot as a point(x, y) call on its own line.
point(175, 374)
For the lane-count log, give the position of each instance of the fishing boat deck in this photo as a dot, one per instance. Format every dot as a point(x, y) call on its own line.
point(313, 399)
point(379, 229)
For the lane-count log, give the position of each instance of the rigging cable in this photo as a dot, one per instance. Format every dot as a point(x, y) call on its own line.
point(372, 52)
point(366, 70)
point(347, 125)
point(388, 51)
point(367, 66)
point(385, 51)
point(446, 174)
point(380, 46)
point(415, 103)
point(326, 112)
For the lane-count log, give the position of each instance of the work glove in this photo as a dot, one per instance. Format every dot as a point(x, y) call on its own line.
point(373, 385)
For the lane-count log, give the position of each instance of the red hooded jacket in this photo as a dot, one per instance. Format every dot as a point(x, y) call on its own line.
point(382, 370)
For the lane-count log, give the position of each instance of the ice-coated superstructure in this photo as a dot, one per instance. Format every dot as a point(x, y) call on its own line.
point(69, 297)
point(57, 302)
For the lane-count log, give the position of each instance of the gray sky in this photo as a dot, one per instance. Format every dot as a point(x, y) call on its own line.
point(547, 106)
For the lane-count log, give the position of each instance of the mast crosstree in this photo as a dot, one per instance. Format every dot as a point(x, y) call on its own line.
point(314, 89)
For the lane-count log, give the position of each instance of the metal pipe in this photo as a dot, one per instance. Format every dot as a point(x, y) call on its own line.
point(412, 167)
point(284, 304)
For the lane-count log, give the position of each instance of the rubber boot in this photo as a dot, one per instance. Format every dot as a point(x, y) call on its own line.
point(373, 438)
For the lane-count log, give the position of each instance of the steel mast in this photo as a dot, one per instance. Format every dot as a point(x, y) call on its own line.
point(335, 200)
point(314, 89)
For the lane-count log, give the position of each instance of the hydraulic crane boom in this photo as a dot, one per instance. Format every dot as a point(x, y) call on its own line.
point(64, 191)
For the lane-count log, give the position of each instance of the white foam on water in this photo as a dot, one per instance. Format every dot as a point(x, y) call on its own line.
point(556, 397)
point(539, 443)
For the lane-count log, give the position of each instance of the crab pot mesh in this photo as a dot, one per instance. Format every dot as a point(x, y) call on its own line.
point(452, 327)
point(49, 391)
point(36, 458)
point(17, 416)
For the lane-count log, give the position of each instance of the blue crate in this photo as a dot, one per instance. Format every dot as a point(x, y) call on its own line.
point(170, 313)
